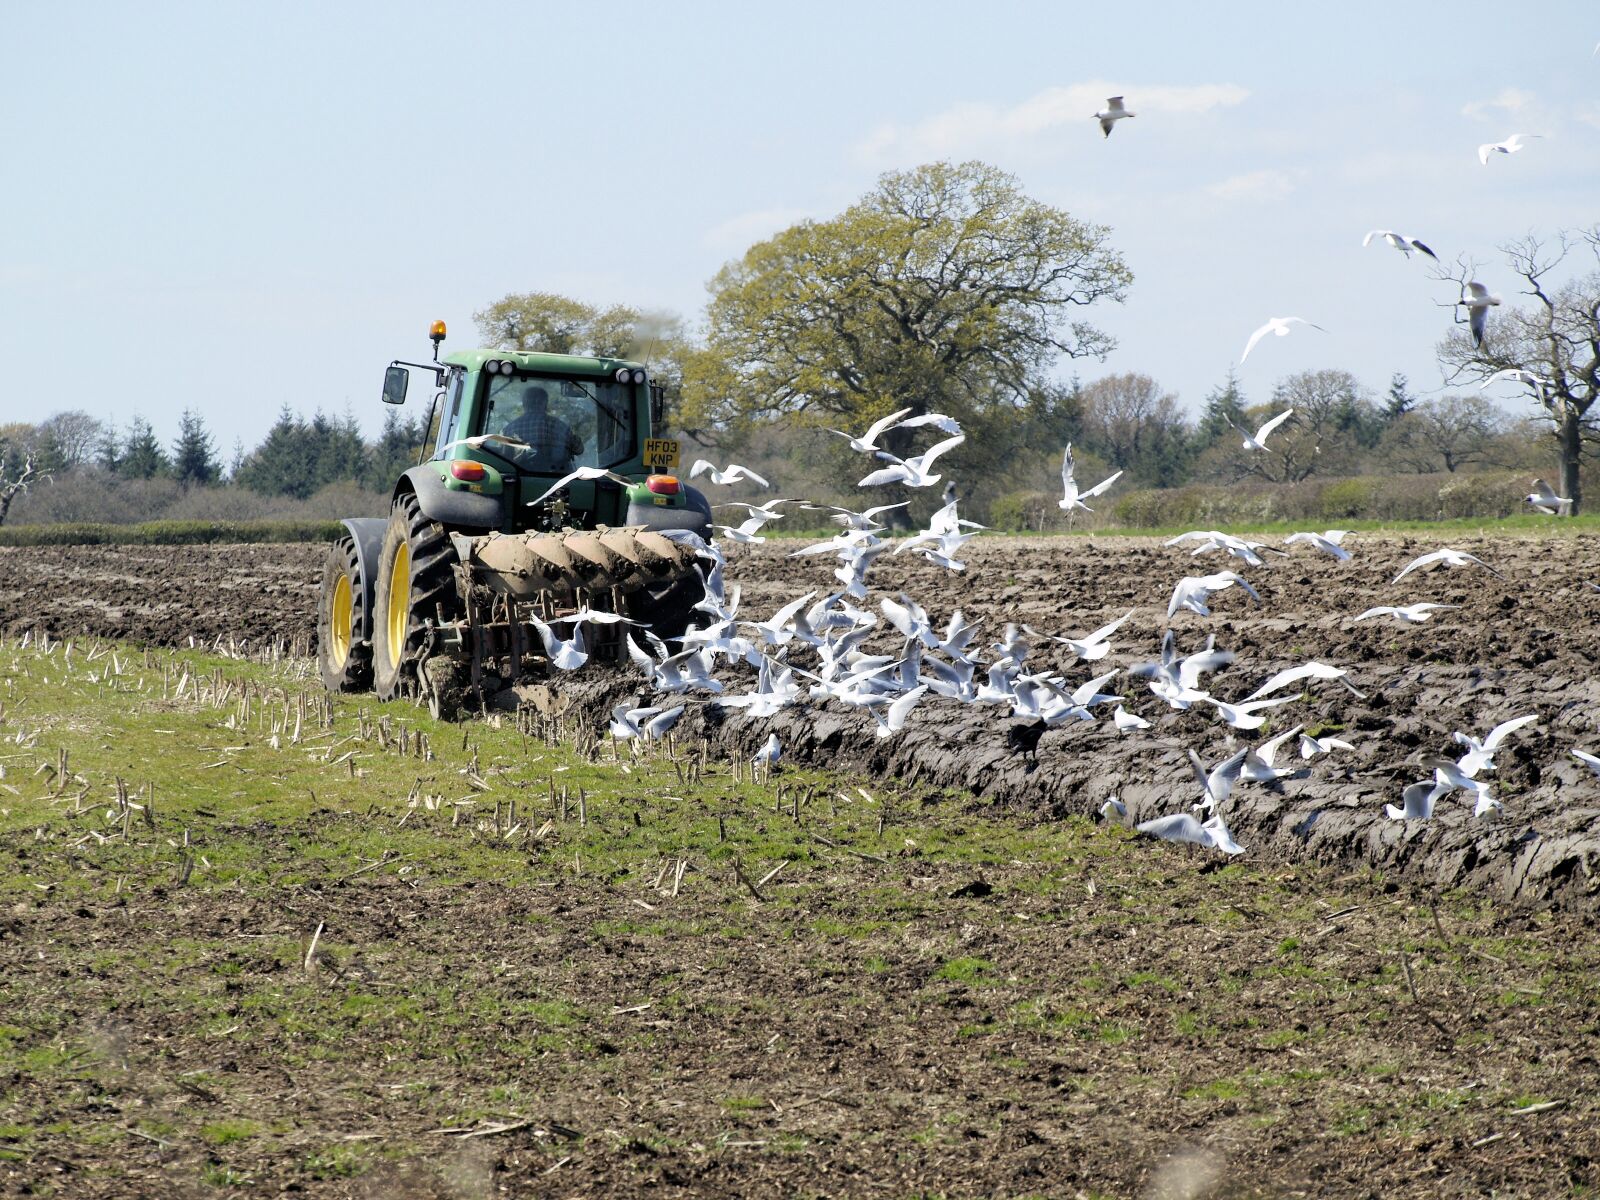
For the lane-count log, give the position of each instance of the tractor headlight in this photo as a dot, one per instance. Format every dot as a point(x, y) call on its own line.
point(622, 375)
point(492, 366)
point(638, 375)
point(507, 366)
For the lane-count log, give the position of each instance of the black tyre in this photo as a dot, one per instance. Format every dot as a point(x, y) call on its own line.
point(416, 583)
point(344, 644)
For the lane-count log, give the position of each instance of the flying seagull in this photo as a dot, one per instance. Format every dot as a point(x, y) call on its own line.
point(1327, 542)
point(1510, 146)
point(1310, 746)
point(1182, 827)
point(1400, 242)
point(1111, 114)
point(580, 473)
point(867, 443)
point(1591, 761)
point(1416, 802)
point(1518, 375)
point(1411, 614)
point(1477, 302)
point(1216, 785)
point(1544, 498)
point(733, 473)
point(1071, 497)
point(915, 471)
point(1450, 558)
point(1258, 439)
point(1275, 325)
point(1480, 755)
point(1193, 591)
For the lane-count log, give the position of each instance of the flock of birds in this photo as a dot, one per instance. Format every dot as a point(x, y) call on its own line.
point(815, 646)
point(1476, 299)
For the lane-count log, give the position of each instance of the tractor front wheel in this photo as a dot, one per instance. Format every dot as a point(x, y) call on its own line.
point(415, 584)
point(344, 651)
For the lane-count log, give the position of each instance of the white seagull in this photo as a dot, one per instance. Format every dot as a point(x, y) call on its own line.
point(867, 443)
point(1216, 785)
point(1416, 802)
point(1518, 375)
point(1126, 720)
point(1400, 242)
point(1477, 302)
point(1192, 591)
point(564, 656)
point(1244, 715)
point(1293, 675)
point(580, 473)
point(1411, 614)
point(1592, 761)
point(1544, 498)
point(1258, 439)
point(733, 473)
point(1279, 326)
point(770, 752)
point(1111, 114)
point(1450, 558)
point(1310, 746)
point(895, 721)
point(1260, 764)
point(1071, 497)
point(1182, 827)
point(1327, 542)
point(913, 472)
point(865, 521)
point(1510, 146)
point(1480, 755)
point(1091, 647)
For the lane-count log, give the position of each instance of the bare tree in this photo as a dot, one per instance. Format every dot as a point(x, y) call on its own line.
point(1555, 340)
point(72, 436)
point(1449, 432)
point(1130, 422)
point(1330, 409)
point(18, 479)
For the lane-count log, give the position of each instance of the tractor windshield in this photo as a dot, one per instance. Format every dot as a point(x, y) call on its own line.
point(566, 423)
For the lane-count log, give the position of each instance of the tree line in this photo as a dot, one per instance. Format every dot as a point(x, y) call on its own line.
point(298, 457)
point(946, 288)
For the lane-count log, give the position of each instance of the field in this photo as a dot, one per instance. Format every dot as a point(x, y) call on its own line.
point(343, 950)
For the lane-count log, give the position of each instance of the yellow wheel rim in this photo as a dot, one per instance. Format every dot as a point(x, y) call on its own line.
point(339, 619)
point(399, 602)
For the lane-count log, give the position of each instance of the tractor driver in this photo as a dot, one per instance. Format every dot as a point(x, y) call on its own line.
point(555, 447)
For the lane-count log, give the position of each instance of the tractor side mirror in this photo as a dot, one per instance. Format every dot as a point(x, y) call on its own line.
point(395, 382)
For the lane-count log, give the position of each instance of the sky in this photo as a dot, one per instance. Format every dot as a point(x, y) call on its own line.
point(231, 208)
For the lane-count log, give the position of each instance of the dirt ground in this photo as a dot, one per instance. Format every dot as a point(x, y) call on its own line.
point(1527, 642)
point(983, 999)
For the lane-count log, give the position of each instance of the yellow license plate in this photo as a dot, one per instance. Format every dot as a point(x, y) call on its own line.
point(661, 452)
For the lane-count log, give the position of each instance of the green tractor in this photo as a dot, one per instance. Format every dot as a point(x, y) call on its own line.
point(441, 597)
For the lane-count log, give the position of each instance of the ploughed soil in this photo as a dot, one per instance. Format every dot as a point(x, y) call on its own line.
point(1527, 641)
point(926, 1004)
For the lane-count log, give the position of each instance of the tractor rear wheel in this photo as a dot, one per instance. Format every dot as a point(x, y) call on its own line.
point(415, 584)
point(344, 652)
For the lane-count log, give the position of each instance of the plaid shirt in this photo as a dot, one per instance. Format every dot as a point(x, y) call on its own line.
point(549, 436)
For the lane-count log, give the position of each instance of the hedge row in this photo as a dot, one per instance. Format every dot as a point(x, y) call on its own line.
point(170, 533)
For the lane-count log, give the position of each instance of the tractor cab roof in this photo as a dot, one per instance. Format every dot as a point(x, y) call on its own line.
point(538, 364)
